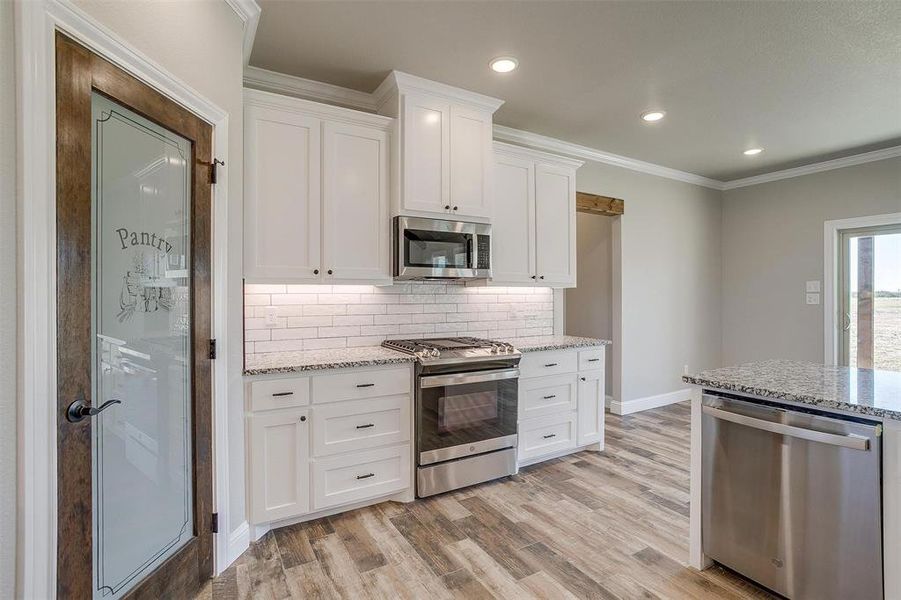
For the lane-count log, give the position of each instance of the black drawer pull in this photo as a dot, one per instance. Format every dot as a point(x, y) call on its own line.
point(550, 435)
point(594, 359)
point(583, 379)
point(365, 384)
point(366, 426)
point(551, 365)
point(276, 394)
point(551, 397)
point(366, 476)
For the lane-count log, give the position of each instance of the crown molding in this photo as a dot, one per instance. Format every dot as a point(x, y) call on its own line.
point(330, 112)
point(549, 144)
point(249, 12)
point(404, 83)
point(828, 165)
point(531, 154)
point(279, 83)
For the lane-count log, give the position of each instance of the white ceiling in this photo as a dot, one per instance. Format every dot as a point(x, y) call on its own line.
point(808, 81)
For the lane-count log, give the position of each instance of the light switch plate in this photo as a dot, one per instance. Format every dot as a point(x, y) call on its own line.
point(813, 286)
point(813, 298)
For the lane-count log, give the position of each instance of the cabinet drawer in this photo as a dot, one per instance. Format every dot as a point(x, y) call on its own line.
point(545, 435)
point(547, 395)
point(360, 476)
point(361, 384)
point(360, 424)
point(536, 364)
point(591, 359)
point(269, 394)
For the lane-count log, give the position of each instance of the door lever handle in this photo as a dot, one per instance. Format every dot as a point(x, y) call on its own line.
point(78, 410)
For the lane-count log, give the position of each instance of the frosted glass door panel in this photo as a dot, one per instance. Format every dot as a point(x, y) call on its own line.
point(141, 326)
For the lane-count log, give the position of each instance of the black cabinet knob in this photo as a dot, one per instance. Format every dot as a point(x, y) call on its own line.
point(542, 277)
point(329, 271)
point(455, 208)
point(302, 419)
point(447, 207)
point(315, 271)
point(533, 277)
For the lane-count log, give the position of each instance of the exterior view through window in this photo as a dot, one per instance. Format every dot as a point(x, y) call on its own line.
point(871, 297)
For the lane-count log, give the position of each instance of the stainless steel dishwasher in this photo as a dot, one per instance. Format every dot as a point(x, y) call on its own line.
point(793, 500)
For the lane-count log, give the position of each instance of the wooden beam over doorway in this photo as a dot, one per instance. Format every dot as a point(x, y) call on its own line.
point(599, 205)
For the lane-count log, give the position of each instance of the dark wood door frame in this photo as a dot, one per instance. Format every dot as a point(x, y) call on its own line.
point(78, 73)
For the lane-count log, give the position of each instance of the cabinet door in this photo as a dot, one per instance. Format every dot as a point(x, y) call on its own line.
point(426, 154)
point(591, 408)
point(555, 225)
point(470, 162)
point(279, 464)
point(282, 196)
point(356, 227)
point(513, 225)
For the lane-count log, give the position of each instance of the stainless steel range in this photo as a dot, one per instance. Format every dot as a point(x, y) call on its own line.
point(466, 411)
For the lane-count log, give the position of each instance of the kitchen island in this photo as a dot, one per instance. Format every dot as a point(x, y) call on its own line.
point(862, 397)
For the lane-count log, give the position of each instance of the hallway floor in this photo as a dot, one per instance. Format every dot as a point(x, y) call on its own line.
point(590, 525)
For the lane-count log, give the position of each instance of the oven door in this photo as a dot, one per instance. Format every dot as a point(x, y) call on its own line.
point(432, 248)
point(462, 414)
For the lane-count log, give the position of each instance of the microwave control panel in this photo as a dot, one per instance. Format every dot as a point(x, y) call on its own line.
point(483, 243)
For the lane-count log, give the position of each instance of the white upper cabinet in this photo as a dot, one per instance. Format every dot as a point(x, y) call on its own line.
point(281, 194)
point(356, 240)
point(316, 192)
point(534, 223)
point(555, 225)
point(442, 150)
point(513, 248)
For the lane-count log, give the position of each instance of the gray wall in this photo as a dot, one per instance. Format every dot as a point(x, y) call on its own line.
point(7, 304)
point(589, 307)
point(773, 244)
point(667, 315)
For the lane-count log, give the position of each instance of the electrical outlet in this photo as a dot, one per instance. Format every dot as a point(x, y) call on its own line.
point(270, 316)
point(813, 298)
point(813, 286)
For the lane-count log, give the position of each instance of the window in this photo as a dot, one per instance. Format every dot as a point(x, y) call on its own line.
point(869, 297)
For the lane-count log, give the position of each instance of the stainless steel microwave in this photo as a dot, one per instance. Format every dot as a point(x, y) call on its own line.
point(438, 249)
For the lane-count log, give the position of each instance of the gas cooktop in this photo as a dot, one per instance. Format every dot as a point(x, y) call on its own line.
point(456, 349)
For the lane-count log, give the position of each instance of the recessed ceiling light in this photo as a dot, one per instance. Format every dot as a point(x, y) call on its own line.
point(753, 151)
point(652, 116)
point(504, 64)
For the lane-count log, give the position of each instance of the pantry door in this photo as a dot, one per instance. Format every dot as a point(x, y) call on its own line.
point(133, 326)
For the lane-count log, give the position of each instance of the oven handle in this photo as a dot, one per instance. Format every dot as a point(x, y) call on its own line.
point(463, 378)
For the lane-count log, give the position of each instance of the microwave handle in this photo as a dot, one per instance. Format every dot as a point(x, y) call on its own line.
point(470, 261)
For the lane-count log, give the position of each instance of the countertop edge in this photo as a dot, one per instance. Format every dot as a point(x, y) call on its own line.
point(326, 366)
point(564, 346)
point(775, 396)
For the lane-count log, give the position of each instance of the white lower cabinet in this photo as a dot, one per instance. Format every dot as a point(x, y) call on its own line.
point(348, 443)
point(561, 402)
point(280, 470)
point(361, 475)
point(591, 408)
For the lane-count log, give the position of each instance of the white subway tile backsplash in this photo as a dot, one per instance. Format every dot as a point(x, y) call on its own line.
point(312, 317)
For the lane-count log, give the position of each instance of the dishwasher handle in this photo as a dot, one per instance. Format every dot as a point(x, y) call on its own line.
point(851, 440)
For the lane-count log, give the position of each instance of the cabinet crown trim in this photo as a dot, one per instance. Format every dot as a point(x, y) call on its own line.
point(316, 109)
point(536, 155)
point(400, 82)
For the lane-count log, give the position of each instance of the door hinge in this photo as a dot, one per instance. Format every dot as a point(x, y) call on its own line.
point(214, 170)
point(212, 349)
point(214, 523)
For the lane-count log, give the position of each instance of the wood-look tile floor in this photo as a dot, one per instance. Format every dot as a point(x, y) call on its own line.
point(604, 525)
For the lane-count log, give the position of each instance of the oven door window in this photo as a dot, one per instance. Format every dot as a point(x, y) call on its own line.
point(437, 249)
point(454, 415)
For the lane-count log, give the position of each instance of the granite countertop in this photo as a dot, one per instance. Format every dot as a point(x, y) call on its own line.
point(317, 360)
point(865, 391)
point(554, 342)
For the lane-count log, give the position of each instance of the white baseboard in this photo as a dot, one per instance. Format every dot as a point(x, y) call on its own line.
point(648, 402)
point(238, 542)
